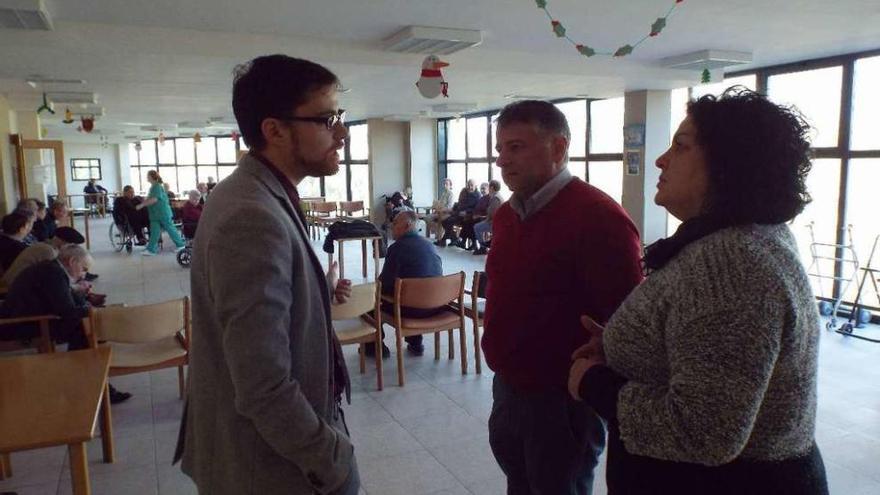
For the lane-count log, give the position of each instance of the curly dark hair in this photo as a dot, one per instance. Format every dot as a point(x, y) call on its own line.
point(757, 155)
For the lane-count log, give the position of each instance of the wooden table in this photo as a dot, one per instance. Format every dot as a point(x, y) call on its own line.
point(54, 399)
point(99, 199)
point(341, 243)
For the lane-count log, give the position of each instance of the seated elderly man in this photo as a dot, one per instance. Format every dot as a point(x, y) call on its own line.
point(461, 210)
point(202, 188)
point(477, 215)
point(442, 208)
point(410, 256)
point(45, 289)
point(16, 226)
point(59, 214)
point(124, 210)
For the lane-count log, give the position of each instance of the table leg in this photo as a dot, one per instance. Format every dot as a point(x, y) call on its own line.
point(88, 243)
point(376, 259)
point(5, 466)
point(79, 469)
point(107, 426)
point(341, 260)
point(364, 257)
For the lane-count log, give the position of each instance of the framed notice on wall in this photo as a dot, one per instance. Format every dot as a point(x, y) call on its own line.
point(632, 160)
point(634, 135)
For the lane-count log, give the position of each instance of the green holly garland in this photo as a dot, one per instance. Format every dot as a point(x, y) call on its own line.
point(587, 51)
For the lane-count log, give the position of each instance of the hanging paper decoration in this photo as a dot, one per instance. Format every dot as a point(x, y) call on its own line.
point(624, 50)
point(161, 138)
point(68, 117)
point(234, 136)
point(706, 76)
point(45, 106)
point(197, 138)
point(137, 146)
point(431, 83)
point(88, 123)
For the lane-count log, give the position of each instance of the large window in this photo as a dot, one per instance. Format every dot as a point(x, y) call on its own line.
point(838, 97)
point(83, 169)
point(595, 152)
point(183, 163)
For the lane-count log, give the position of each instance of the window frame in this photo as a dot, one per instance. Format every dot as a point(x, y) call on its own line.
point(73, 169)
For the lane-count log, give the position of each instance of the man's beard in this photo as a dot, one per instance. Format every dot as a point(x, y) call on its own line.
point(310, 167)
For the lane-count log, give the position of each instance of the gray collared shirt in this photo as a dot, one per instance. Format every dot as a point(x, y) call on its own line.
point(543, 196)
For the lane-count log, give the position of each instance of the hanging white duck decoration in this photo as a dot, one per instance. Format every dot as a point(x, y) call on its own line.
point(431, 84)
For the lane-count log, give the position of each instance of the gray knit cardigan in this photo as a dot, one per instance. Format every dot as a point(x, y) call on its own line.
point(720, 350)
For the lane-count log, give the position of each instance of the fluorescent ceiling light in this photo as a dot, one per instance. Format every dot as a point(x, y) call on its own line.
point(432, 40)
point(72, 97)
point(707, 59)
point(25, 14)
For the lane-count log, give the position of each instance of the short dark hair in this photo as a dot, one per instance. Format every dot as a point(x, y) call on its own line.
point(495, 184)
point(127, 188)
point(14, 221)
point(273, 86)
point(757, 155)
point(543, 114)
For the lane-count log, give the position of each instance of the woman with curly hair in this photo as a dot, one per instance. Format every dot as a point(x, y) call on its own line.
point(706, 374)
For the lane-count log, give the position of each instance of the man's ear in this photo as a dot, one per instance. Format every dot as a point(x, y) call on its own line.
point(273, 130)
point(559, 148)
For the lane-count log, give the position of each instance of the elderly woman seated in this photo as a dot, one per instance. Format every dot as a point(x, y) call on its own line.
point(192, 211)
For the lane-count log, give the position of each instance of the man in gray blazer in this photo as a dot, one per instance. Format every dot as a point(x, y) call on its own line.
point(266, 372)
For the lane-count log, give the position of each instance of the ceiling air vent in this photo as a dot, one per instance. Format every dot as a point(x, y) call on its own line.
point(432, 40)
point(707, 59)
point(25, 14)
point(72, 97)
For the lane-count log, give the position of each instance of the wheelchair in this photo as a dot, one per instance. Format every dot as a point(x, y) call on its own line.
point(184, 256)
point(121, 235)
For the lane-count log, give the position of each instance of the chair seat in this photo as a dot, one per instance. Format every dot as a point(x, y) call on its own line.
point(352, 330)
point(446, 319)
point(481, 308)
point(146, 354)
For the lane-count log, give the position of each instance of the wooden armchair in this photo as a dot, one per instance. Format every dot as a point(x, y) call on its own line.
point(44, 342)
point(428, 293)
point(145, 338)
point(320, 216)
point(354, 325)
point(353, 210)
point(475, 311)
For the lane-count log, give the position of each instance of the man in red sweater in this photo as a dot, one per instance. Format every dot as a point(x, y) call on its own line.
point(560, 249)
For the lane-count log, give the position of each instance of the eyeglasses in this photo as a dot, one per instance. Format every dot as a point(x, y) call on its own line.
point(330, 121)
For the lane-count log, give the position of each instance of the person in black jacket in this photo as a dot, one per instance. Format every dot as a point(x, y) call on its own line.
point(461, 210)
point(124, 209)
point(411, 256)
point(16, 226)
point(45, 289)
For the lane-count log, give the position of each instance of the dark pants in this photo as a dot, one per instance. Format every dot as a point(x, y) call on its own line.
point(62, 331)
point(449, 226)
point(545, 442)
point(405, 312)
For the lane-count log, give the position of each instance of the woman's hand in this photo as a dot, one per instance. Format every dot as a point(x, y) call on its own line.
point(585, 357)
point(341, 287)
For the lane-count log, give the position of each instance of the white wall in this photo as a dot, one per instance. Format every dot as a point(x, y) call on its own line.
point(8, 125)
point(111, 173)
point(389, 160)
point(423, 165)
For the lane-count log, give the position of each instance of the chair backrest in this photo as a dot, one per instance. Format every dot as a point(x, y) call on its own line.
point(138, 324)
point(323, 208)
point(479, 287)
point(364, 298)
point(350, 207)
point(429, 292)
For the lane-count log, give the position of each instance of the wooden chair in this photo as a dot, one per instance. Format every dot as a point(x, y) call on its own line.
point(354, 325)
point(145, 338)
point(428, 293)
point(321, 215)
point(43, 344)
point(353, 210)
point(475, 311)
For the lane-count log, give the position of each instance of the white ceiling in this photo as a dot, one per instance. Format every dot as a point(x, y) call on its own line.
point(166, 61)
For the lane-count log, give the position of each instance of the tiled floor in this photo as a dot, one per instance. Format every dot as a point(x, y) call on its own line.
point(429, 437)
